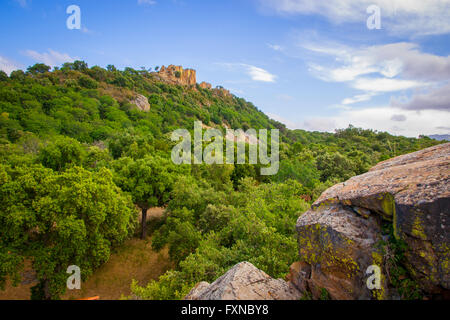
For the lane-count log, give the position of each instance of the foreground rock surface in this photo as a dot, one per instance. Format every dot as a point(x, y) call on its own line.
point(338, 237)
point(244, 282)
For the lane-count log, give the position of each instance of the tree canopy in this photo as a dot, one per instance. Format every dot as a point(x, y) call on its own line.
point(149, 181)
point(55, 220)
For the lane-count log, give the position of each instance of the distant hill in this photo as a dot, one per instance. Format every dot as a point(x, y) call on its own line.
point(440, 137)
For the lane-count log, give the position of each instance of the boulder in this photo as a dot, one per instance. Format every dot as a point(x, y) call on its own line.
point(338, 237)
point(197, 290)
point(141, 102)
point(245, 282)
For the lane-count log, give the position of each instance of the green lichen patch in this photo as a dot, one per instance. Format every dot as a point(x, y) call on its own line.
point(334, 252)
point(417, 228)
point(387, 203)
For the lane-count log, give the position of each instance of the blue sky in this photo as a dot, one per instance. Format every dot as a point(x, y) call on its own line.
point(313, 65)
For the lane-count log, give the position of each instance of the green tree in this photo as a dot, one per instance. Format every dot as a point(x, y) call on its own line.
point(335, 166)
point(3, 76)
point(62, 153)
point(111, 68)
point(149, 181)
point(87, 82)
point(56, 220)
point(38, 68)
point(80, 65)
point(17, 75)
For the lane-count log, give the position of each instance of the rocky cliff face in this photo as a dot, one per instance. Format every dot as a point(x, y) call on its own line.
point(178, 75)
point(395, 217)
point(205, 85)
point(222, 92)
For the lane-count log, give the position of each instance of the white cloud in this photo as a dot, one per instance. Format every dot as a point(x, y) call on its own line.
point(343, 74)
point(7, 65)
point(51, 58)
point(390, 60)
point(377, 69)
point(385, 84)
point(406, 58)
point(275, 47)
point(436, 98)
point(255, 73)
point(398, 117)
point(394, 120)
point(358, 98)
point(374, 70)
point(146, 2)
point(319, 124)
point(411, 17)
point(259, 74)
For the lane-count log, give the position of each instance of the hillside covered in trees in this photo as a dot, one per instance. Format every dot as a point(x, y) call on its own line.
point(79, 160)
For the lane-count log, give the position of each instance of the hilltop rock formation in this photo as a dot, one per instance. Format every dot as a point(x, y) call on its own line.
point(205, 85)
point(222, 92)
point(178, 75)
point(188, 77)
point(339, 237)
point(244, 282)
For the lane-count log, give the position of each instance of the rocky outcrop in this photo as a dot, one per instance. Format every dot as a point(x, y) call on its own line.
point(244, 282)
point(141, 102)
point(222, 92)
point(188, 77)
point(205, 85)
point(178, 75)
point(340, 237)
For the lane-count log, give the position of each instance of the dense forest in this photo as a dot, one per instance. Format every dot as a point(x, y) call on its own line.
point(79, 161)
